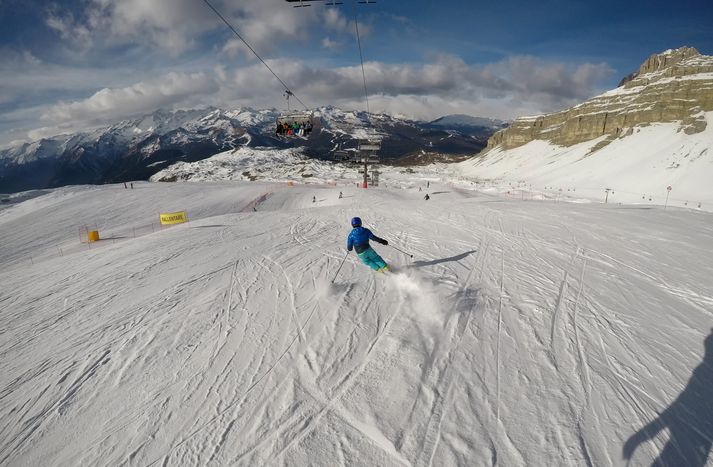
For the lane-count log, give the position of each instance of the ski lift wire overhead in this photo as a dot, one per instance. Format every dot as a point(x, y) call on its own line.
point(237, 34)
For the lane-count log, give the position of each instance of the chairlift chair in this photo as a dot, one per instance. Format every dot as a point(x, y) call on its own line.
point(286, 124)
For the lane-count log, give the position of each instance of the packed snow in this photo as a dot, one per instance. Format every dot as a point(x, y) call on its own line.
point(521, 333)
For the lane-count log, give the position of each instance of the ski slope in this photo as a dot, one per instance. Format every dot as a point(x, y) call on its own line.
point(636, 167)
point(522, 333)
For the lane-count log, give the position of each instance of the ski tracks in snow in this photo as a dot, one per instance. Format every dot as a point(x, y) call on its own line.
point(440, 376)
point(584, 367)
point(293, 307)
point(285, 427)
point(559, 305)
point(302, 422)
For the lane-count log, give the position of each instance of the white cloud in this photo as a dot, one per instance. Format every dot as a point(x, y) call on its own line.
point(445, 84)
point(550, 85)
point(141, 97)
point(114, 59)
point(30, 58)
point(54, 130)
point(233, 47)
point(329, 44)
point(517, 84)
point(334, 20)
point(68, 28)
point(171, 25)
point(175, 26)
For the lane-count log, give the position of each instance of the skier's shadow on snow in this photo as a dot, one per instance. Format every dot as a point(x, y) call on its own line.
point(420, 264)
point(689, 420)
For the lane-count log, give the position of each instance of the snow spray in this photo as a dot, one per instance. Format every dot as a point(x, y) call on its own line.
point(419, 299)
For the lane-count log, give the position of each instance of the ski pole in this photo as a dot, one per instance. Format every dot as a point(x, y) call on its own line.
point(340, 267)
point(402, 251)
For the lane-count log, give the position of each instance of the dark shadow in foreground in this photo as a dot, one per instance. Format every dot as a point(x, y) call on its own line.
point(689, 420)
point(420, 264)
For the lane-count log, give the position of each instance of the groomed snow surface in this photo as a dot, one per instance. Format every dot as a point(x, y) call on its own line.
point(522, 332)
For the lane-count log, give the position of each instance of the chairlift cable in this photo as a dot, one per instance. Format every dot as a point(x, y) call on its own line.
point(361, 58)
point(287, 88)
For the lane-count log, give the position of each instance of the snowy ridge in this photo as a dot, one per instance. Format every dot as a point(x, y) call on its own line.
point(523, 333)
point(290, 165)
point(265, 164)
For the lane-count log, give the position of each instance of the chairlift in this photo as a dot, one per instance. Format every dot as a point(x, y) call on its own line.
point(302, 124)
point(295, 124)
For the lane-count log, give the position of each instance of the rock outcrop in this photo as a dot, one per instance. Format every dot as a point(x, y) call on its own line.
point(676, 85)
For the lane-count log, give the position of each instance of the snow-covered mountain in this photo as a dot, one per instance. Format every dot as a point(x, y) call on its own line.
point(244, 163)
point(673, 86)
point(137, 148)
point(653, 132)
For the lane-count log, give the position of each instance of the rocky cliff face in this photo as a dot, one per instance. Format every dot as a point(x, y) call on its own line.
point(676, 85)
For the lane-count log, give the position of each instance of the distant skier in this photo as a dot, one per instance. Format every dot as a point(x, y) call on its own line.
point(340, 195)
point(314, 199)
point(359, 240)
point(426, 197)
point(428, 184)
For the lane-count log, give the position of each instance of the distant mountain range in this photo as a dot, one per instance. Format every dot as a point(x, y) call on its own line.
point(137, 148)
point(466, 124)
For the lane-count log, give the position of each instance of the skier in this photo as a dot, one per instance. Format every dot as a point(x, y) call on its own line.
point(314, 199)
point(340, 195)
point(359, 240)
point(426, 197)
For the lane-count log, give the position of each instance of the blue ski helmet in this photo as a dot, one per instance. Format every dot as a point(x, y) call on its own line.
point(356, 222)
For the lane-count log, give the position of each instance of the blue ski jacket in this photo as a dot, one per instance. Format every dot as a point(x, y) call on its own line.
point(359, 239)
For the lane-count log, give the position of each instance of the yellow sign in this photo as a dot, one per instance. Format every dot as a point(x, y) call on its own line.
point(173, 218)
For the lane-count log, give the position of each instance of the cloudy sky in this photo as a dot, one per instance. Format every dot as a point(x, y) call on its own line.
point(73, 64)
